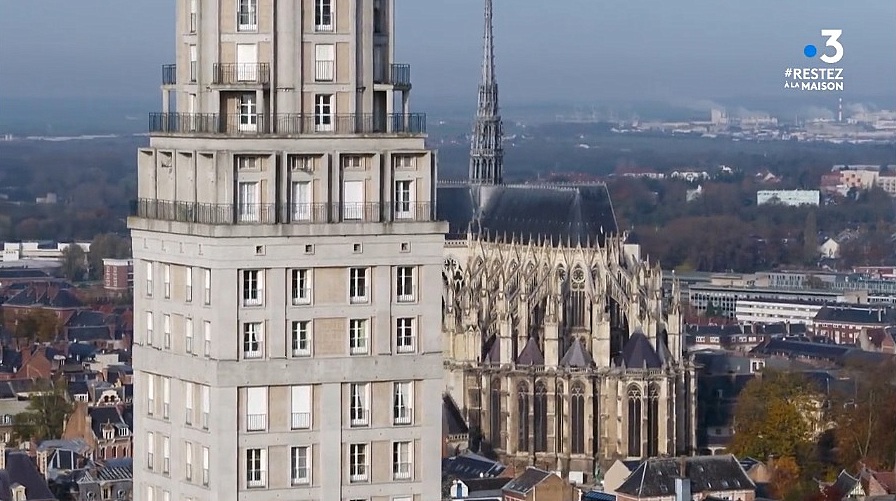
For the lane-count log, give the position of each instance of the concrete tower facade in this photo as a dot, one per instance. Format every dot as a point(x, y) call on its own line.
point(287, 258)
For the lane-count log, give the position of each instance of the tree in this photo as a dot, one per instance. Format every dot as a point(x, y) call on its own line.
point(38, 325)
point(107, 246)
point(785, 476)
point(810, 239)
point(776, 414)
point(865, 417)
point(46, 414)
point(74, 262)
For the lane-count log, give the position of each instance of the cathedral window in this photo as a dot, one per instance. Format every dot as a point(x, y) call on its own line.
point(541, 417)
point(495, 414)
point(576, 302)
point(559, 421)
point(653, 423)
point(523, 417)
point(577, 396)
point(634, 422)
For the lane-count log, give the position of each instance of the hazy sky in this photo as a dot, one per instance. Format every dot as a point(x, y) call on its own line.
point(590, 50)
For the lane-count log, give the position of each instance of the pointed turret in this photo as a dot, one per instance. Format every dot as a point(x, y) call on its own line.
point(487, 151)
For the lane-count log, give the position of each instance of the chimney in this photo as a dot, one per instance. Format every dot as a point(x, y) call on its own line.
point(42, 459)
point(682, 483)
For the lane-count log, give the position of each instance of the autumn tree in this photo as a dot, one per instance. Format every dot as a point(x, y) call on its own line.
point(47, 411)
point(785, 474)
point(865, 416)
point(74, 262)
point(775, 415)
point(37, 324)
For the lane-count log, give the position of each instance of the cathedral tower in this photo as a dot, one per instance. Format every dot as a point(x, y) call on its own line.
point(487, 152)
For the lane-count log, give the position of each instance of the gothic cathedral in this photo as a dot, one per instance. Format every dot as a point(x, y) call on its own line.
point(562, 348)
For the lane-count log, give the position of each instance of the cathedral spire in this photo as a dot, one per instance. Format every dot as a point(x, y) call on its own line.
point(487, 152)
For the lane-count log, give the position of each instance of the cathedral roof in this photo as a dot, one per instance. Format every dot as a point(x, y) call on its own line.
point(491, 351)
point(639, 354)
point(531, 355)
point(664, 353)
point(452, 419)
point(558, 213)
point(577, 356)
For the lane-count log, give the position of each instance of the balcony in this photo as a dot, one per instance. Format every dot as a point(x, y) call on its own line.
point(169, 74)
point(296, 124)
point(242, 74)
point(228, 214)
point(402, 416)
point(256, 422)
point(301, 420)
point(399, 76)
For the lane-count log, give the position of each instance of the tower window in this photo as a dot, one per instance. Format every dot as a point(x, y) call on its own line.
point(323, 16)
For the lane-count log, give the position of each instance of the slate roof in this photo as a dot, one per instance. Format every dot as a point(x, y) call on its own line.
point(577, 356)
point(471, 465)
point(115, 472)
point(485, 484)
point(559, 213)
point(452, 419)
point(656, 477)
point(99, 416)
point(639, 354)
point(858, 316)
point(20, 469)
point(531, 355)
point(598, 496)
point(527, 481)
point(845, 483)
point(21, 273)
point(46, 295)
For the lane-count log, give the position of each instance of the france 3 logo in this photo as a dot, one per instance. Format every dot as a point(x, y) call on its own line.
point(823, 78)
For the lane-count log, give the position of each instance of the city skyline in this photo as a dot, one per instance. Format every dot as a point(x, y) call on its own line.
point(705, 50)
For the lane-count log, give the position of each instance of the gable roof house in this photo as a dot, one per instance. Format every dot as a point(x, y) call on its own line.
point(104, 429)
point(657, 479)
point(535, 483)
point(47, 295)
point(21, 479)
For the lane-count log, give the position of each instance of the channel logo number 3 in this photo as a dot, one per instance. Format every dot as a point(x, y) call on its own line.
point(833, 41)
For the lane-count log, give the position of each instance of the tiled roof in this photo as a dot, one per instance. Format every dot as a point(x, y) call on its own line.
point(99, 416)
point(20, 469)
point(527, 481)
point(855, 315)
point(470, 465)
point(47, 295)
point(656, 477)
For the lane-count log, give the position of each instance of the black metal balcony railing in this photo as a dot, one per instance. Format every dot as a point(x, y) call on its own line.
point(242, 74)
point(227, 214)
point(398, 75)
point(286, 124)
point(169, 74)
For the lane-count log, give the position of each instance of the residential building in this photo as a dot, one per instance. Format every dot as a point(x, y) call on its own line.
point(534, 484)
point(844, 324)
point(702, 477)
point(792, 198)
point(118, 274)
point(776, 310)
point(21, 479)
point(286, 262)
